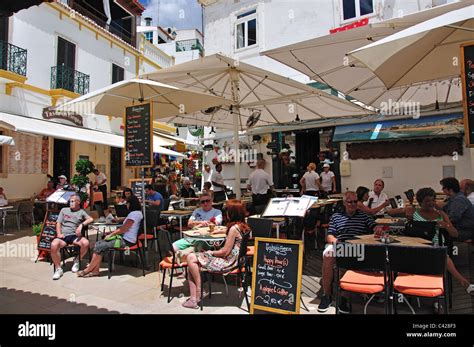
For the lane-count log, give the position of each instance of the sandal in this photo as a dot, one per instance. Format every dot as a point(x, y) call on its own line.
point(88, 274)
point(191, 303)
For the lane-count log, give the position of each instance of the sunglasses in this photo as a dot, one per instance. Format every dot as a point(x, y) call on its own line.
point(351, 201)
point(203, 201)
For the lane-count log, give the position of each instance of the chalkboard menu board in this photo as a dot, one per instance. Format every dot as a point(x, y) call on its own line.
point(467, 77)
point(137, 187)
point(139, 136)
point(48, 232)
point(276, 275)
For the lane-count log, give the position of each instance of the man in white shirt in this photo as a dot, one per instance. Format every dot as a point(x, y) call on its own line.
point(467, 187)
point(259, 183)
point(377, 197)
point(206, 175)
point(218, 183)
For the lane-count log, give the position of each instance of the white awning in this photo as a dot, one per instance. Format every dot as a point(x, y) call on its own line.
point(163, 141)
point(69, 132)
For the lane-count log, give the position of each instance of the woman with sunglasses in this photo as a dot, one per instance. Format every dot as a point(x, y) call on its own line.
point(222, 260)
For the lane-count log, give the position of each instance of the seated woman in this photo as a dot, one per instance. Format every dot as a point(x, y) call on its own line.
point(221, 260)
point(362, 196)
point(428, 212)
point(128, 237)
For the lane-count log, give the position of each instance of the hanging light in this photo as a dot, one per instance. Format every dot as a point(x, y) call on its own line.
point(437, 102)
point(212, 131)
point(177, 131)
point(297, 119)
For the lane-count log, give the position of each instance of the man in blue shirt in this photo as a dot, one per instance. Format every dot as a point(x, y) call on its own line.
point(153, 198)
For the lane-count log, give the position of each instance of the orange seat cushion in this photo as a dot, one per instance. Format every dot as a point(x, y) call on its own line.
point(166, 263)
point(419, 285)
point(148, 236)
point(362, 282)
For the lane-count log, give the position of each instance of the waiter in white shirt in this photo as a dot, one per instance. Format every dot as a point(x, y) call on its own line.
point(259, 183)
point(206, 175)
point(377, 197)
point(101, 184)
point(218, 184)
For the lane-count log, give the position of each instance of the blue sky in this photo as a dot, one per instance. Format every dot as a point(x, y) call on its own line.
point(183, 14)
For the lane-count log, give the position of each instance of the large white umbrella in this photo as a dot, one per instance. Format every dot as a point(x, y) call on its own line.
point(324, 59)
point(256, 97)
point(424, 52)
point(166, 100)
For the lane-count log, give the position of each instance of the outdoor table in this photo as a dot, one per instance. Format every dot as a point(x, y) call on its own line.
point(3, 213)
point(180, 214)
point(213, 241)
point(402, 241)
point(287, 191)
point(104, 227)
point(396, 225)
point(324, 202)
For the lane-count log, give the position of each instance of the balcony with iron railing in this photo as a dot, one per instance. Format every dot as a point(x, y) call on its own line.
point(189, 45)
point(101, 19)
point(12, 58)
point(63, 77)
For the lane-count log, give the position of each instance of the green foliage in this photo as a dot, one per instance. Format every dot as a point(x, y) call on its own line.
point(80, 181)
point(84, 167)
point(37, 229)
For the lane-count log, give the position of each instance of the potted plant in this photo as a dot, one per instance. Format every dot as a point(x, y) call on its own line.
point(37, 230)
point(84, 167)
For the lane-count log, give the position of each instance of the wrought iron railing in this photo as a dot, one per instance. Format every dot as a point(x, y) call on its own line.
point(66, 78)
point(189, 45)
point(114, 27)
point(12, 58)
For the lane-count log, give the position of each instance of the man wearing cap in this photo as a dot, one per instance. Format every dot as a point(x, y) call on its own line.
point(328, 180)
point(62, 182)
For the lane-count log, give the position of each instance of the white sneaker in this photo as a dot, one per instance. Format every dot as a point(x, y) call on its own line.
point(58, 273)
point(470, 289)
point(76, 265)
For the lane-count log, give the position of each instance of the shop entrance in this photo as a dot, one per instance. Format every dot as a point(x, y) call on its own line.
point(115, 167)
point(62, 158)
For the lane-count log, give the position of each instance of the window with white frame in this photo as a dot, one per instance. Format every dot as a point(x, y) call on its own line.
point(356, 8)
point(149, 36)
point(246, 29)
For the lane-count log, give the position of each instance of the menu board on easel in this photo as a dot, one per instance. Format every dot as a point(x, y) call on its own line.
point(467, 78)
point(48, 231)
point(276, 276)
point(139, 135)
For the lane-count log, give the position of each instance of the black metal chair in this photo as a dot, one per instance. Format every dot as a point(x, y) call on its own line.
point(421, 273)
point(152, 223)
point(260, 227)
point(170, 263)
point(72, 250)
point(366, 273)
point(238, 269)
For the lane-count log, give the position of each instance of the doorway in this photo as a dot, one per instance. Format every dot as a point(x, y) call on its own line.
point(307, 149)
point(62, 158)
point(115, 167)
point(66, 63)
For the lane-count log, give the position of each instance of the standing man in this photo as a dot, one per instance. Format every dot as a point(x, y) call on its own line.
point(342, 226)
point(259, 183)
point(69, 231)
point(218, 183)
point(101, 184)
point(377, 197)
point(459, 209)
point(206, 174)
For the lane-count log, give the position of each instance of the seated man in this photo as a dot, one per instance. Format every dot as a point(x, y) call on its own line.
point(40, 208)
point(187, 191)
point(458, 208)
point(153, 198)
point(201, 217)
point(342, 226)
point(69, 231)
point(45, 192)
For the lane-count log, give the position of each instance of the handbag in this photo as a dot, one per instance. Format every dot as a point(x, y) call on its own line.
point(117, 238)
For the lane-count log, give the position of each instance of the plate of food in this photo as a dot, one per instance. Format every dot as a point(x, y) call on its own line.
point(387, 220)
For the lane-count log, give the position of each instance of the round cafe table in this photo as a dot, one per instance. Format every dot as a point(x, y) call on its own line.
point(203, 235)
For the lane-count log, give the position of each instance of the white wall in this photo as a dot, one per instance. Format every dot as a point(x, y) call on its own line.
point(407, 173)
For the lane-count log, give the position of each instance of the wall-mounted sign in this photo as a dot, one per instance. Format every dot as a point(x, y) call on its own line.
point(76, 119)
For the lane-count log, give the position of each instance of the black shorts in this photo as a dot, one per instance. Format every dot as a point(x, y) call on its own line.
point(69, 239)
